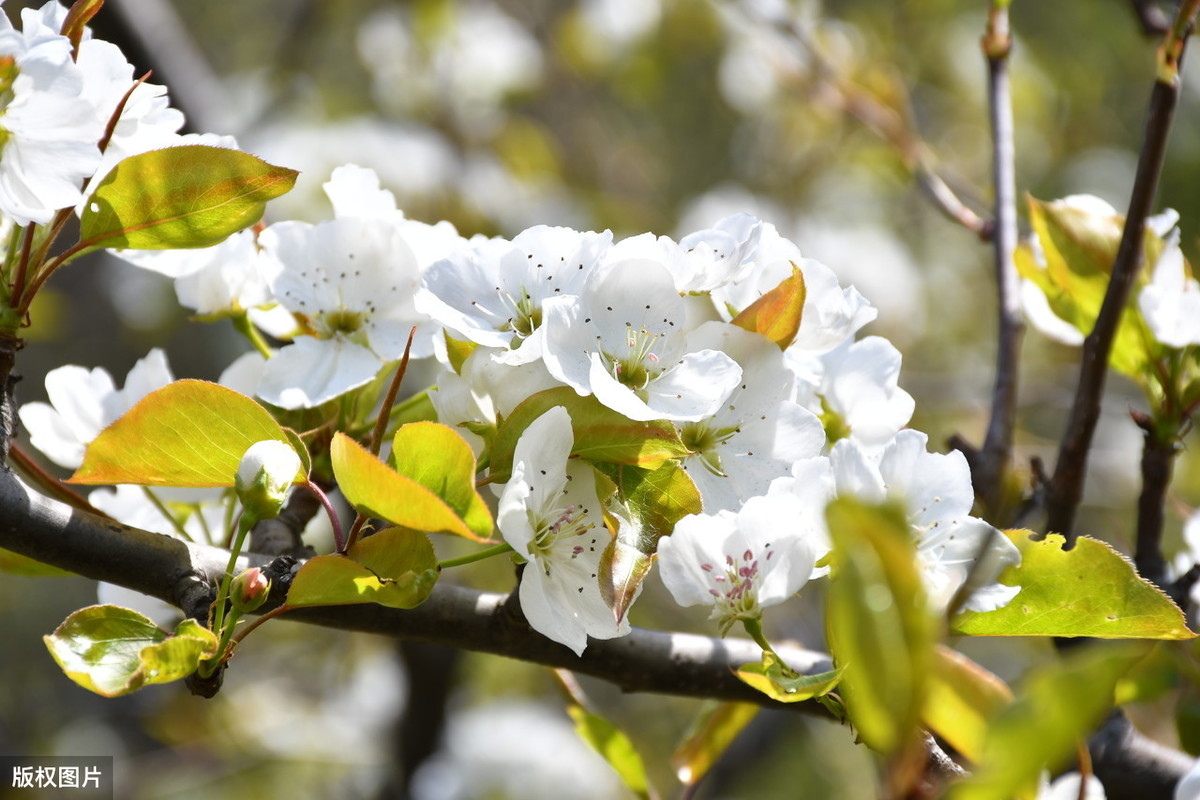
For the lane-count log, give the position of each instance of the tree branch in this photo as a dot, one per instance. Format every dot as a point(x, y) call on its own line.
point(185, 574)
point(991, 463)
point(1066, 487)
point(1158, 457)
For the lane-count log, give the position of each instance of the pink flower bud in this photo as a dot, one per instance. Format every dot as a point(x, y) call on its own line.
point(249, 590)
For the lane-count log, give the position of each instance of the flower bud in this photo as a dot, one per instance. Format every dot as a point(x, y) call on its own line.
point(249, 590)
point(263, 478)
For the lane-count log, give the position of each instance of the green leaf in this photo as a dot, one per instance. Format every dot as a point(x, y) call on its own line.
point(1079, 248)
point(1090, 590)
point(1056, 709)
point(378, 491)
point(650, 503)
point(610, 742)
point(777, 680)
point(880, 627)
point(113, 651)
point(714, 731)
point(963, 699)
point(457, 351)
point(777, 313)
point(188, 433)
point(180, 197)
point(17, 564)
point(439, 459)
point(393, 567)
point(601, 434)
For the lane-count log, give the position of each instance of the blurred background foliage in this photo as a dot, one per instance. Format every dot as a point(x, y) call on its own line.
point(633, 115)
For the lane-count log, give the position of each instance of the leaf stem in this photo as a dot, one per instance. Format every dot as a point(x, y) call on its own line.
point(259, 620)
point(166, 512)
point(389, 399)
point(47, 482)
point(338, 540)
point(473, 557)
point(243, 325)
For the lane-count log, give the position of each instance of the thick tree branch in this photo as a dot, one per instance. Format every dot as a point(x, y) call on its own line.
point(1066, 487)
point(185, 573)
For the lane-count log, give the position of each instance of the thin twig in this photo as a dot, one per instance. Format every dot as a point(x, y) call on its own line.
point(1066, 487)
point(47, 482)
point(881, 119)
point(993, 459)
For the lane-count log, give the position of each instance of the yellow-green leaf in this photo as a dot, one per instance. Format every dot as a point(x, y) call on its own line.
point(439, 459)
point(180, 197)
point(651, 502)
point(777, 313)
point(601, 434)
point(17, 564)
point(188, 433)
point(963, 698)
point(393, 567)
point(1056, 708)
point(714, 731)
point(113, 651)
point(379, 491)
point(1090, 590)
point(776, 680)
point(611, 742)
point(880, 627)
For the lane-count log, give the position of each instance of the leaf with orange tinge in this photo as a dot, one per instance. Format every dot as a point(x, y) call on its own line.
point(777, 313)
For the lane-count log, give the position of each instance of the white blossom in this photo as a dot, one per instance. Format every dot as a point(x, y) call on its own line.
point(624, 340)
point(549, 512)
point(1170, 304)
point(49, 131)
point(758, 432)
point(352, 280)
point(739, 563)
point(84, 402)
point(494, 292)
point(953, 548)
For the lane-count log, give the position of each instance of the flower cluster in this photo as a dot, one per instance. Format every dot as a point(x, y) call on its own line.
point(772, 418)
point(647, 327)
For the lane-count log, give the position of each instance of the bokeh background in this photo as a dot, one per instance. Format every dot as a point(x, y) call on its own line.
point(633, 115)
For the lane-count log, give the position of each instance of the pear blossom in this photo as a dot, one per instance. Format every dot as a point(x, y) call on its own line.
point(738, 562)
point(49, 131)
point(352, 280)
point(831, 314)
point(859, 386)
point(494, 293)
point(703, 260)
point(84, 402)
point(485, 391)
point(1170, 304)
point(549, 512)
point(955, 550)
point(758, 432)
point(623, 339)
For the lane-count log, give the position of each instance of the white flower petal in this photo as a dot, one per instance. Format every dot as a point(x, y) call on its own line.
point(311, 371)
